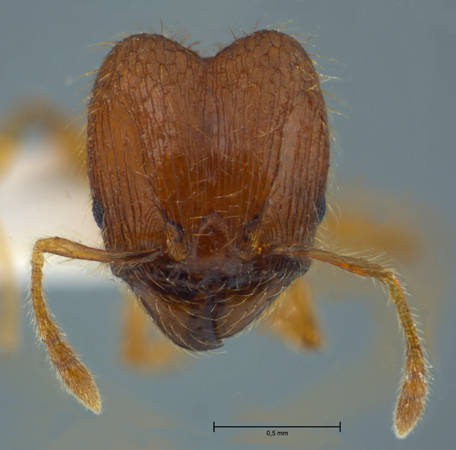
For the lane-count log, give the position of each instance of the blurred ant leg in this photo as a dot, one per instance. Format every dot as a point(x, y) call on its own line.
point(9, 295)
point(73, 374)
point(414, 389)
point(294, 318)
point(356, 229)
point(9, 300)
point(143, 347)
point(37, 111)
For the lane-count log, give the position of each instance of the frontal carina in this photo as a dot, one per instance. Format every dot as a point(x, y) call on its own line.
point(208, 181)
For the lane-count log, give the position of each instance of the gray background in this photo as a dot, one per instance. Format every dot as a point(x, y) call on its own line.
point(395, 69)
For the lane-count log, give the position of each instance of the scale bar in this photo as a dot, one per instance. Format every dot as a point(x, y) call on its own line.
point(214, 426)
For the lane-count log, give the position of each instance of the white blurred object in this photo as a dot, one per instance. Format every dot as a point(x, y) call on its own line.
point(40, 199)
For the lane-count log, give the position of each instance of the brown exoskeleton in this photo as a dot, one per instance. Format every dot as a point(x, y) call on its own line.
point(208, 180)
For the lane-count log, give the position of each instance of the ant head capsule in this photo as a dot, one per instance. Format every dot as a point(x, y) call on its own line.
point(215, 161)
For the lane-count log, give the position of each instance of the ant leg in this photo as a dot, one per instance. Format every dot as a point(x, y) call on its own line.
point(414, 388)
point(294, 317)
point(9, 299)
point(72, 372)
point(38, 111)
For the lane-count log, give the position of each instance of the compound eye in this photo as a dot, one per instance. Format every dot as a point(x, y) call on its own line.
point(98, 212)
point(320, 209)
